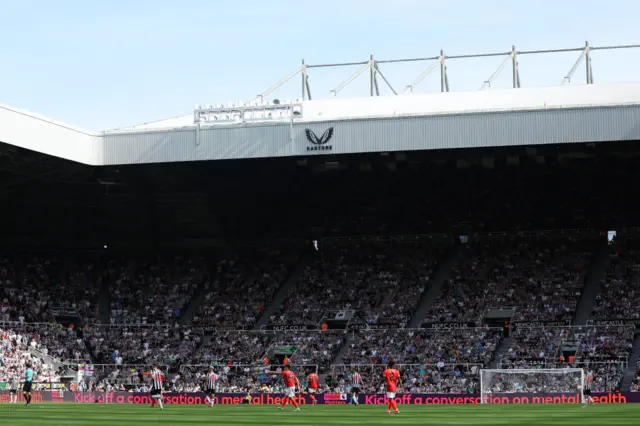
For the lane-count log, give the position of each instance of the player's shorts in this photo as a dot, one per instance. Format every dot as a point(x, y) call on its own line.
point(13, 391)
point(312, 390)
point(587, 391)
point(155, 392)
point(210, 391)
point(355, 390)
point(27, 387)
point(391, 395)
point(290, 392)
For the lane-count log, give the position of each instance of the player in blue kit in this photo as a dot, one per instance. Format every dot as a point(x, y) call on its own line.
point(28, 383)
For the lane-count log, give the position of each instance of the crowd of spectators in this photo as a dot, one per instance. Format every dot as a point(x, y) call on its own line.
point(432, 360)
point(265, 379)
point(244, 285)
point(457, 346)
point(382, 281)
point(63, 343)
point(604, 350)
point(619, 296)
point(532, 382)
point(235, 348)
point(311, 347)
point(15, 356)
point(540, 276)
point(239, 348)
point(604, 343)
point(416, 378)
point(112, 377)
point(635, 384)
point(534, 346)
point(136, 344)
point(153, 291)
point(31, 286)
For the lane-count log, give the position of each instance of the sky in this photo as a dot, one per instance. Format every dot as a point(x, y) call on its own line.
point(104, 64)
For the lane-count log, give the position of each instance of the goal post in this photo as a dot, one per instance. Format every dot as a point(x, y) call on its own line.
point(564, 385)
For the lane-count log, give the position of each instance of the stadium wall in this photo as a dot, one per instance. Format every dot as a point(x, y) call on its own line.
point(448, 131)
point(330, 399)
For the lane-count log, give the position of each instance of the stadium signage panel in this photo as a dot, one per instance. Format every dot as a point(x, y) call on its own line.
point(230, 328)
point(319, 143)
point(610, 322)
point(197, 398)
point(534, 324)
point(373, 326)
point(448, 325)
point(291, 327)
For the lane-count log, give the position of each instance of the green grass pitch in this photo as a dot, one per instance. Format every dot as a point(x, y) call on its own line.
point(268, 415)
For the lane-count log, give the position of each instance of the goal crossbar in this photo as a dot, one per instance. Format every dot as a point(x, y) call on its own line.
point(532, 370)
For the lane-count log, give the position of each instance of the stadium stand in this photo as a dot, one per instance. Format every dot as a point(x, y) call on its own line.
point(635, 384)
point(381, 236)
point(381, 281)
point(16, 355)
point(33, 286)
point(620, 294)
point(234, 347)
point(153, 291)
point(432, 359)
point(541, 276)
point(601, 349)
point(417, 378)
point(141, 344)
point(242, 286)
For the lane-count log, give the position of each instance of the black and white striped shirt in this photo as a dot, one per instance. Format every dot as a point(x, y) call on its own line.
point(157, 378)
point(356, 380)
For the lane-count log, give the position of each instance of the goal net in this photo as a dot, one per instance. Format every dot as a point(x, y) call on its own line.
point(551, 385)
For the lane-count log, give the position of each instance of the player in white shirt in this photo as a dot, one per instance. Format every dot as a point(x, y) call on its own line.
point(13, 391)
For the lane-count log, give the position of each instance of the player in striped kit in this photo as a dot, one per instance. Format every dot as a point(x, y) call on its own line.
point(157, 384)
point(210, 387)
point(588, 383)
point(356, 384)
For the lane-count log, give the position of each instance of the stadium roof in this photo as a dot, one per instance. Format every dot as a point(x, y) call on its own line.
point(552, 115)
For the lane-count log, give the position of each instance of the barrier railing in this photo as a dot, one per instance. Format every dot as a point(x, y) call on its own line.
point(123, 374)
point(572, 327)
point(428, 377)
point(27, 326)
point(238, 378)
point(203, 368)
point(439, 326)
